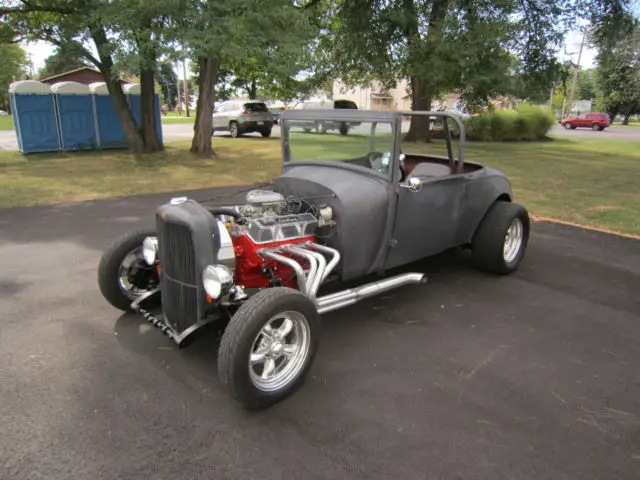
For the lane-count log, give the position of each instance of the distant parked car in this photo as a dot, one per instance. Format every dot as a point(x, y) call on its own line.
point(242, 116)
point(325, 126)
point(275, 113)
point(593, 120)
point(3, 113)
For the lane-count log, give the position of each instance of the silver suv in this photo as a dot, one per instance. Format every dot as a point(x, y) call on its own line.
point(242, 116)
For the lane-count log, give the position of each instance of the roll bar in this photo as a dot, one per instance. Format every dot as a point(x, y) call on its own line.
point(447, 132)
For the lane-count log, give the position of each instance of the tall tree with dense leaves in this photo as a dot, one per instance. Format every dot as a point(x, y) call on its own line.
point(77, 22)
point(618, 72)
point(14, 64)
point(445, 45)
point(67, 57)
point(219, 34)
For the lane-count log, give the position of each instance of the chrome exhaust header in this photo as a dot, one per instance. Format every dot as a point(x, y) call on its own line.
point(347, 297)
point(319, 269)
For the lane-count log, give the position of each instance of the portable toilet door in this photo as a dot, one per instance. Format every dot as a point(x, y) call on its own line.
point(75, 116)
point(132, 91)
point(108, 126)
point(34, 116)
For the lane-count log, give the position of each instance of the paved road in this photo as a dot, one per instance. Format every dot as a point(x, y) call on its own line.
point(184, 131)
point(468, 377)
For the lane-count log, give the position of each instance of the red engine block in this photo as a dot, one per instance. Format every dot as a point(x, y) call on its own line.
point(250, 267)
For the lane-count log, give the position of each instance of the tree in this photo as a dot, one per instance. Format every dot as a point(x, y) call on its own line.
point(220, 33)
point(587, 83)
point(74, 22)
point(618, 73)
point(14, 65)
point(451, 45)
point(67, 57)
point(168, 80)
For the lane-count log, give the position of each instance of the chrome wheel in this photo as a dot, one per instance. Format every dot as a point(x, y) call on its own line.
point(135, 276)
point(513, 240)
point(279, 351)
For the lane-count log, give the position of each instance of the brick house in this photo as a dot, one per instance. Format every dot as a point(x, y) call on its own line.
point(84, 75)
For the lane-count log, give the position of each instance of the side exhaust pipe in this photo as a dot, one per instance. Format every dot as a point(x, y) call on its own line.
point(342, 299)
point(319, 269)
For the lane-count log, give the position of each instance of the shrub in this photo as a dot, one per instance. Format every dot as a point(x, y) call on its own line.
point(527, 122)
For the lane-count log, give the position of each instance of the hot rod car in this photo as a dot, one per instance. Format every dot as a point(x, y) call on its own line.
point(343, 208)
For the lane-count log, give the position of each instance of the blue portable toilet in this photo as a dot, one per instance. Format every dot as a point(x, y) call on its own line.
point(132, 91)
point(109, 130)
point(75, 116)
point(34, 116)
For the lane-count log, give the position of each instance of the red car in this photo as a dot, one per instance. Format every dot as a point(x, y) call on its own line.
point(593, 120)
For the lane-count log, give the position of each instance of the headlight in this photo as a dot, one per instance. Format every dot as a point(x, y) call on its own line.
point(150, 249)
point(215, 278)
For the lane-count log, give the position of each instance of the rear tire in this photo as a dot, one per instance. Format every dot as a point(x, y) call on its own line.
point(139, 275)
point(240, 356)
point(233, 128)
point(266, 133)
point(500, 241)
point(344, 129)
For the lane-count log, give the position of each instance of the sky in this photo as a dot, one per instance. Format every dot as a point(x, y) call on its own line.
point(39, 51)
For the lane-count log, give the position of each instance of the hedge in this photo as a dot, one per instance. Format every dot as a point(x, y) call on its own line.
point(526, 122)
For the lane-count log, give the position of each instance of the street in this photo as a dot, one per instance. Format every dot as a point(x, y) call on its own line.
point(471, 376)
point(176, 132)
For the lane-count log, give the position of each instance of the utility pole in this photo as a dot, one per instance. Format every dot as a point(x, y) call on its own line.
point(178, 107)
point(186, 88)
point(577, 71)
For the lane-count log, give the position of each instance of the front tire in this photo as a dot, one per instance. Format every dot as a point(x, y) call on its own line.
point(568, 126)
point(499, 244)
point(596, 127)
point(268, 347)
point(123, 274)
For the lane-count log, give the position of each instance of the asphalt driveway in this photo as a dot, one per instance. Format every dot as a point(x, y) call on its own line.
point(532, 376)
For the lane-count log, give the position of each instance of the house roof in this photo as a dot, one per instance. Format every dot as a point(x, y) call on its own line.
point(81, 69)
point(84, 69)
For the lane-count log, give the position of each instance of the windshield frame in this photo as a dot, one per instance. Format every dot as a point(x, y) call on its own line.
point(344, 115)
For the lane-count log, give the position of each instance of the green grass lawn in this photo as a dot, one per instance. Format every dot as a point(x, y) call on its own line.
point(176, 119)
point(6, 122)
point(590, 182)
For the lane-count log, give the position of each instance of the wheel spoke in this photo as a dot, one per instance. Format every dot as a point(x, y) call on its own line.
point(269, 367)
point(258, 357)
point(289, 350)
point(286, 327)
point(267, 331)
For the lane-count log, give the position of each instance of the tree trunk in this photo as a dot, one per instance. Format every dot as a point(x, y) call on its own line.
point(202, 130)
point(627, 117)
point(134, 139)
point(251, 89)
point(422, 89)
point(420, 100)
point(148, 114)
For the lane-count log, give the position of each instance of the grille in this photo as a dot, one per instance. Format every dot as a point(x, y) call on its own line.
point(177, 256)
point(178, 267)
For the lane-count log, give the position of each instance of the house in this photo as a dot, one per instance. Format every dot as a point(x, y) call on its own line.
point(375, 97)
point(84, 75)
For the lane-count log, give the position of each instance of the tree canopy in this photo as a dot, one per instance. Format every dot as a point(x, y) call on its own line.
point(618, 73)
point(66, 57)
point(14, 64)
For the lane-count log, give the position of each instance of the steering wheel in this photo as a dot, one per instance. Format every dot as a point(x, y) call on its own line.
point(375, 161)
point(380, 162)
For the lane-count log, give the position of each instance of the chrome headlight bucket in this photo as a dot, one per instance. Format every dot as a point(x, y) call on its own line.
point(150, 250)
point(217, 279)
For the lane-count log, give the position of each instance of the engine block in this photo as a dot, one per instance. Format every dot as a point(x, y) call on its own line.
point(268, 231)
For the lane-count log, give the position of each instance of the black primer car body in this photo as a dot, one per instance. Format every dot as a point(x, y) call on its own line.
point(256, 267)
